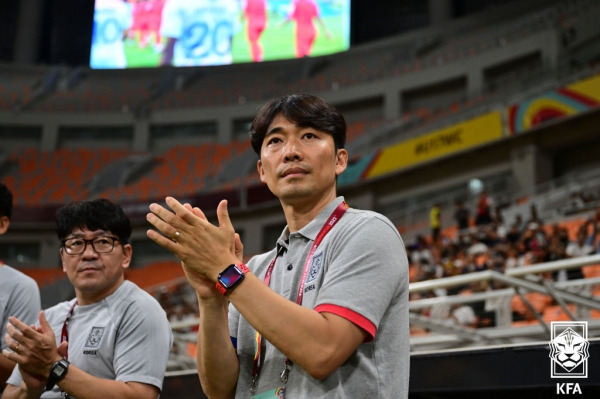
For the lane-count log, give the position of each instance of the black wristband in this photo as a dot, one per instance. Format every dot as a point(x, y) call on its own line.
point(58, 371)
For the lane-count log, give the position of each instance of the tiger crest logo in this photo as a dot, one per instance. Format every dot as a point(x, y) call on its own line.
point(569, 350)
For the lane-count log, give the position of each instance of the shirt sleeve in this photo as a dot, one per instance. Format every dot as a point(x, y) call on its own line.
point(143, 344)
point(365, 269)
point(23, 303)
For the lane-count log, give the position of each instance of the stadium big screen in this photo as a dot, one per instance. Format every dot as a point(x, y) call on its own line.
point(147, 33)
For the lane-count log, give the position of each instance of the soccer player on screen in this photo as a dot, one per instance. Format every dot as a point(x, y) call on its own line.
point(255, 12)
point(199, 32)
point(304, 12)
point(112, 19)
point(154, 22)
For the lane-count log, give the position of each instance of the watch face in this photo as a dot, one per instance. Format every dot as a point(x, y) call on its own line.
point(230, 276)
point(59, 369)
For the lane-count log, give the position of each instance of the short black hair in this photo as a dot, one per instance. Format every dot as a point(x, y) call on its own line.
point(304, 110)
point(98, 214)
point(6, 201)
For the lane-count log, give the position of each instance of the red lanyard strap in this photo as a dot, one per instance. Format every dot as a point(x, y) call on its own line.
point(64, 336)
point(331, 221)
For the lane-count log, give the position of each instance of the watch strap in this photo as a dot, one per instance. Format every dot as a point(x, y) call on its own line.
point(58, 371)
point(243, 269)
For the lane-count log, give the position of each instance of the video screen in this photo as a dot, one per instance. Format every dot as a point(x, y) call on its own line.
point(151, 33)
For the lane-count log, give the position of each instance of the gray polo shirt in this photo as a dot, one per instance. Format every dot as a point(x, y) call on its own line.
point(360, 272)
point(125, 337)
point(19, 297)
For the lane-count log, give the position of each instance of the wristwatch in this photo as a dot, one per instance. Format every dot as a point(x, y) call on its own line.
point(229, 278)
point(58, 371)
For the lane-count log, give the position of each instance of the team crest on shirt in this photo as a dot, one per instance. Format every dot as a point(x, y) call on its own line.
point(315, 268)
point(93, 340)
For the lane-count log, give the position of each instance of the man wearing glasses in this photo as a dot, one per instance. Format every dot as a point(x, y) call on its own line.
point(112, 340)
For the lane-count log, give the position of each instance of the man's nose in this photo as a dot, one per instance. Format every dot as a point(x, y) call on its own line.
point(292, 150)
point(89, 251)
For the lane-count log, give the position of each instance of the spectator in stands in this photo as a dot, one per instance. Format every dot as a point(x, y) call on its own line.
point(331, 324)
point(499, 227)
point(463, 315)
point(477, 246)
point(513, 235)
point(560, 233)
point(453, 264)
point(536, 242)
point(115, 336)
point(485, 205)
point(519, 222)
point(534, 217)
point(512, 259)
point(462, 216)
point(575, 249)
point(435, 222)
point(557, 249)
point(420, 251)
point(594, 225)
point(576, 202)
point(19, 293)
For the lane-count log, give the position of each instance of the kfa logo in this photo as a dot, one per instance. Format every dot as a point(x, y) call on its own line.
point(569, 353)
point(569, 349)
point(93, 340)
point(315, 268)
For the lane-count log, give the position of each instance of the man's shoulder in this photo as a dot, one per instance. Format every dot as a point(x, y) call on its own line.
point(58, 312)
point(364, 216)
point(13, 276)
point(130, 292)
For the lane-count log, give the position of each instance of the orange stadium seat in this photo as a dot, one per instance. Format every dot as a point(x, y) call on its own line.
point(58, 176)
point(155, 274)
point(538, 301)
point(572, 227)
point(557, 313)
point(44, 276)
point(181, 170)
point(591, 271)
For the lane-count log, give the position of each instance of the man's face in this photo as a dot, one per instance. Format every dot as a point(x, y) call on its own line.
point(299, 163)
point(95, 275)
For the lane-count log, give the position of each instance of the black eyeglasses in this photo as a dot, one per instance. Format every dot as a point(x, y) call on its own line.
point(102, 245)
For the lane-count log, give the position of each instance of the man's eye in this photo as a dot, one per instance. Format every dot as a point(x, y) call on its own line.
point(76, 243)
point(102, 241)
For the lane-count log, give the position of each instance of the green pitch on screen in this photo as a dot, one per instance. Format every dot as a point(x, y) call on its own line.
point(278, 42)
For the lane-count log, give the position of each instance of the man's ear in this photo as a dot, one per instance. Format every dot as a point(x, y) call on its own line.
point(127, 252)
point(4, 223)
point(341, 161)
point(62, 260)
point(261, 171)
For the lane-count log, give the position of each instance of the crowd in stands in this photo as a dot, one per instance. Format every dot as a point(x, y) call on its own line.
point(482, 240)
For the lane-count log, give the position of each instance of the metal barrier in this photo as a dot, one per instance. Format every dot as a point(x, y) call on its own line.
point(444, 333)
